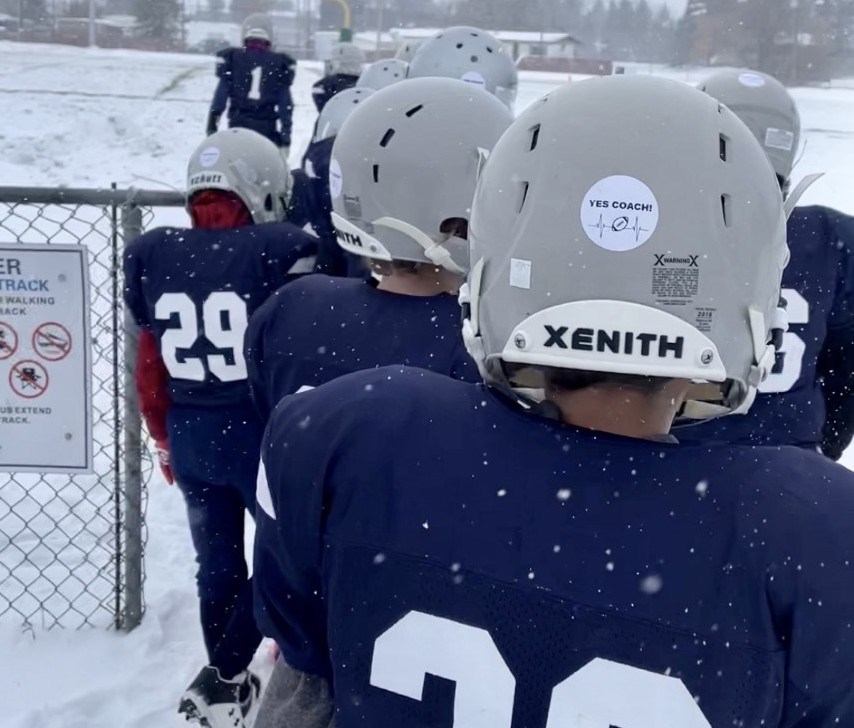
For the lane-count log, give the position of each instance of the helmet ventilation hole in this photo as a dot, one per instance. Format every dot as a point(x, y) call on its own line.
point(459, 46)
point(386, 138)
point(523, 195)
point(414, 110)
point(376, 173)
point(535, 137)
point(723, 147)
point(474, 59)
point(268, 203)
point(726, 210)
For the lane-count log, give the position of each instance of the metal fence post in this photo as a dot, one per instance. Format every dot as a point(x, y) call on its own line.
point(131, 222)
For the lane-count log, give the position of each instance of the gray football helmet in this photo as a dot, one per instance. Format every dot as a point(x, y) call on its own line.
point(631, 225)
point(259, 26)
point(471, 55)
point(380, 74)
point(245, 163)
point(407, 50)
point(764, 104)
point(405, 164)
point(336, 111)
point(346, 58)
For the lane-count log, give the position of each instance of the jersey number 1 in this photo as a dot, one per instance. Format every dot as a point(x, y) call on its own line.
point(224, 321)
point(602, 694)
point(255, 86)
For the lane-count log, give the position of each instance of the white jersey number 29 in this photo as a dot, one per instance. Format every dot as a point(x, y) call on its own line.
point(224, 321)
point(790, 357)
point(602, 694)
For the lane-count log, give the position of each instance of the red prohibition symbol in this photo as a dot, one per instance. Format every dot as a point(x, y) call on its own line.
point(52, 341)
point(8, 340)
point(28, 379)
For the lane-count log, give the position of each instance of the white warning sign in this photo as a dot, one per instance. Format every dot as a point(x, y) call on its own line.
point(45, 359)
point(619, 213)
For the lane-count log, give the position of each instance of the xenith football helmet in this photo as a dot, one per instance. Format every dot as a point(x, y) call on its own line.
point(471, 55)
point(628, 225)
point(405, 162)
point(384, 73)
point(245, 163)
point(257, 26)
point(764, 104)
point(346, 58)
point(336, 111)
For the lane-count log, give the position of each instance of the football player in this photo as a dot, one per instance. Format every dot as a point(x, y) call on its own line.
point(341, 71)
point(471, 55)
point(191, 292)
point(405, 211)
point(311, 203)
point(808, 399)
point(539, 551)
point(255, 84)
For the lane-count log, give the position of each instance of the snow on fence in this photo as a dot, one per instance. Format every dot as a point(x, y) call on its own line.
point(72, 546)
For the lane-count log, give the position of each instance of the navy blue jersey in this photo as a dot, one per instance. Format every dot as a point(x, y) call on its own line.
point(195, 290)
point(319, 328)
point(447, 559)
point(818, 285)
point(256, 84)
point(328, 86)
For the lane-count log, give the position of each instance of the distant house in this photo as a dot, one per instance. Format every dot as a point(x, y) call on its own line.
point(518, 43)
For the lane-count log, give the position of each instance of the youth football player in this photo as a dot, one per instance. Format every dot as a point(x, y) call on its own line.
point(538, 551)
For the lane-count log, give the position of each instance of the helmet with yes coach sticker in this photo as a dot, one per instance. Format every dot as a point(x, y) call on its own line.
point(404, 168)
point(764, 104)
point(245, 163)
point(471, 55)
point(590, 252)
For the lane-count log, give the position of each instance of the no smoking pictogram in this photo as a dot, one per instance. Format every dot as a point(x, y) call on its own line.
point(52, 341)
point(28, 379)
point(8, 340)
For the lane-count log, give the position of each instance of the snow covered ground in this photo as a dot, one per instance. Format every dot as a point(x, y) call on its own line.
point(82, 118)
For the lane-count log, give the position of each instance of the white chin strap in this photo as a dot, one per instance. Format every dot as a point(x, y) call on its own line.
point(434, 251)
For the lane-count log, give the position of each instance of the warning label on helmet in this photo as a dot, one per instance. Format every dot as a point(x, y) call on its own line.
point(675, 278)
point(619, 213)
point(779, 139)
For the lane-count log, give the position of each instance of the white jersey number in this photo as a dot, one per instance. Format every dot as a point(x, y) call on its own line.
point(224, 320)
point(255, 87)
point(602, 694)
point(790, 357)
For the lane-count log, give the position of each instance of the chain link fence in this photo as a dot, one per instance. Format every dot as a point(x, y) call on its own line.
point(72, 546)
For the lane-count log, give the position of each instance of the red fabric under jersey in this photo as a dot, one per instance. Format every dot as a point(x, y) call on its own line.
point(218, 209)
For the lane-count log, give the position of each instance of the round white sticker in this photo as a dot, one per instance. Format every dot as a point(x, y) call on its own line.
point(474, 78)
point(751, 80)
point(336, 179)
point(619, 213)
point(209, 156)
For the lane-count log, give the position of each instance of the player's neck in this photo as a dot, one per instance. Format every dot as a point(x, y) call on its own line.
point(620, 410)
point(425, 281)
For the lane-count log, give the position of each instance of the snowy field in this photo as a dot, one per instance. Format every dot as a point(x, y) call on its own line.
point(81, 118)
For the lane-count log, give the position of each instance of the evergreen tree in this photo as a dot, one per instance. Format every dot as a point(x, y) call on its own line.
point(159, 20)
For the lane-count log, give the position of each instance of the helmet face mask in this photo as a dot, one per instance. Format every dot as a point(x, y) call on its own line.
point(257, 26)
point(590, 254)
point(247, 164)
point(383, 73)
point(768, 110)
point(336, 111)
point(391, 201)
point(471, 55)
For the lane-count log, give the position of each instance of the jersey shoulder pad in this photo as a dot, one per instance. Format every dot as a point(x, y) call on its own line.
point(153, 238)
point(224, 61)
